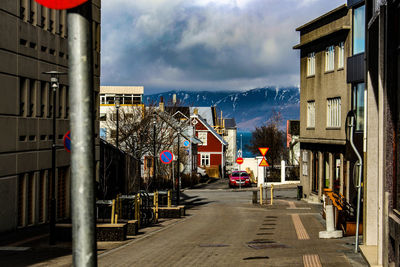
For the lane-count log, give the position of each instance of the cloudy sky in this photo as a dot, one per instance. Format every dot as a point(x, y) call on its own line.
point(204, 44)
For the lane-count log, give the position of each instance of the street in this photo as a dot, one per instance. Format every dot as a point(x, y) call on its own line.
point(223, 228)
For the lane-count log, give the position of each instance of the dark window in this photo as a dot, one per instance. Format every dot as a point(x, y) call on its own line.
point(358, 105)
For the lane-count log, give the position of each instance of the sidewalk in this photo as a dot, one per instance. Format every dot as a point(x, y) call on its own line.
point(295, 225)
point(30, 246)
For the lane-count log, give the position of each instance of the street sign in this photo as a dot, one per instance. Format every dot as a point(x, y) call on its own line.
point(61, 4)
point(239, 161)
point(239, 153)
point(166, 157)
point(67, 141)
point(263, 150)
point(263, 163)
point(186, 143)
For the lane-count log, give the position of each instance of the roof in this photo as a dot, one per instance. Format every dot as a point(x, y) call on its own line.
point(230, 123)
point(211, 129)
point(342, 28)
point(122, 90)
point(205, 113)
point(321, 17)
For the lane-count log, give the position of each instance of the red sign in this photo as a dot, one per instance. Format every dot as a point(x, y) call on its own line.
point(166, 157)
point(239, 161)
point(263, 163)
point(61, 4)
point(263, 150)
point(67, 141)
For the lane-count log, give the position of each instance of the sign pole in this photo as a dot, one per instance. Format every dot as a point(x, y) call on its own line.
point(179, 171)
point(84, 252)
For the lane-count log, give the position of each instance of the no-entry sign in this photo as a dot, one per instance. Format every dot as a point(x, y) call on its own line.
point(239, 160)
point(61, 4)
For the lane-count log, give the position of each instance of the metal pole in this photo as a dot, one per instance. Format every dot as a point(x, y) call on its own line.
point(154, 153)
point(179, 172)
point(84, 252)
point(358, 182)
point(117, 131)
point(54, 80)
point(240, 165)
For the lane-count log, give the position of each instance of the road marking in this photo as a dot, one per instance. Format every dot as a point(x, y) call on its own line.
point(292, 205)
point(311, 260)
point(299, 227)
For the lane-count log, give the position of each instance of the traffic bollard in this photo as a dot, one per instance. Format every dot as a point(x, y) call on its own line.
point(169, 198)
point(137, 209)
point(113, 211)
point(272, 194)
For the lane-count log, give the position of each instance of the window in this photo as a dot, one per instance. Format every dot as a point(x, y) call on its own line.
point(333, 112)
point(103, 133)
point(311, 64)
point(358, 105)
point(330, 58)
point(102, 99)
point(23, 90)
point(341, 55)
point(311, 114)
point(205, 159)
point(203, 137)
point(359, 30)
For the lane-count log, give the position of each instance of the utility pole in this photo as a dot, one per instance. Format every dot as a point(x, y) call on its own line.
point(154, 154)
point(179, 172)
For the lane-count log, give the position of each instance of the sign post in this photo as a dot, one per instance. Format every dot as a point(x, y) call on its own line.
point(240, 162)
point(84, 252)
point(264, 163)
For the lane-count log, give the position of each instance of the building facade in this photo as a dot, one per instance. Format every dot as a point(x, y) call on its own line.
point(211, 153)
point(325, 101)
point(33, 40)
point(381, 239)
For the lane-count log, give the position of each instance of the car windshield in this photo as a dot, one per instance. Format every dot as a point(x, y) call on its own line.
point(237, 174)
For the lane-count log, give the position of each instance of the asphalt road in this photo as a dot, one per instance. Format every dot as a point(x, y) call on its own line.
point(223, 228)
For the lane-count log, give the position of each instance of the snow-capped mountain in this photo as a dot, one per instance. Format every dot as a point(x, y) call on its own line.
point(249, 108)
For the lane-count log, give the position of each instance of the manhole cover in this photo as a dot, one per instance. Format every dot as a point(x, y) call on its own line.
point(213, 245)
point(265, 228)
point(265, 246)
point(269, 224)
point(265, 233)
point(256, 258)
point(271, 216)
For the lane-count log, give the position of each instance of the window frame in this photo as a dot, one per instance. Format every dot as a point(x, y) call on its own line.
point(334, 112)
point(311, 119)
point(341, 56)
point(204, 133)
point(205, 157)
point(311, 64)
point(330, 58)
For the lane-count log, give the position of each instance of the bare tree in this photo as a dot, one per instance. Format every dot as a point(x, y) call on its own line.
point(269, 135)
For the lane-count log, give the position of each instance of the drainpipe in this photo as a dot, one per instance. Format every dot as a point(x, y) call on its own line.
point(359, 164)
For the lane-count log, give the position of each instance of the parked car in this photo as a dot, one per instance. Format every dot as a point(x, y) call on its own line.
point(239, 178)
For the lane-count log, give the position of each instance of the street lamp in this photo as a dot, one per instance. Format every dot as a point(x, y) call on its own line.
point(117, 105)
point(54, 87)
point(179, 175)
point(154, 153)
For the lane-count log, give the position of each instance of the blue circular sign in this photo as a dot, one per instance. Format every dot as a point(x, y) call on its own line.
point(186, 143)
point(166, 157)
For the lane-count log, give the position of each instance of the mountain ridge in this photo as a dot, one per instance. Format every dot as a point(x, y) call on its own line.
point(250, 108)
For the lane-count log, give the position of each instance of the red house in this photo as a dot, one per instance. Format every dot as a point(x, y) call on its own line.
point(211, 153)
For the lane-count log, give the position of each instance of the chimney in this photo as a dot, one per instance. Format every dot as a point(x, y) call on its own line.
point(161, 105)
point(173, 99)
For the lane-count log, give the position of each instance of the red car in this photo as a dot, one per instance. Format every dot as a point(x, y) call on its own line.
point(239, 178)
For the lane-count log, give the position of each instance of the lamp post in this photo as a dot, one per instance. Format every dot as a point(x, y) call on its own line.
point(178, 172)
point(54, 87)
point(117, 105)
point(154, 153)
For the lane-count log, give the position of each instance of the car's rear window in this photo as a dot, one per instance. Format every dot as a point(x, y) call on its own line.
point(236, 174)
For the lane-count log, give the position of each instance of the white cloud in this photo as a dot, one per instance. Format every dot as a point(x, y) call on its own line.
point(200, 44)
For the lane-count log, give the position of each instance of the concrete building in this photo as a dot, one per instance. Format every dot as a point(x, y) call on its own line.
point(381, 237)
point(230, 136)
point(33, 40)
point(130, 104)
point(325, 100)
